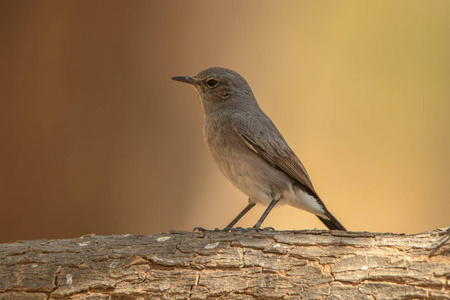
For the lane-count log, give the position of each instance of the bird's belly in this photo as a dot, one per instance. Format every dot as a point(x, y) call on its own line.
point(263, 183)
point(254, 177)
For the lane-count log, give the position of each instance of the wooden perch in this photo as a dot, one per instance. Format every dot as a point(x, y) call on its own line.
point(313, 264)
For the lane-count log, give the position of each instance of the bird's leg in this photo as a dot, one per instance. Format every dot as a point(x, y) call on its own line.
point(240, 215)
point(266, 212)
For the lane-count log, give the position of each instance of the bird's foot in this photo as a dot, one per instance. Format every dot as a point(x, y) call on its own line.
point(264, 229)
point(233, 229)
point(237, 229)
point(201, 229)
point(242, 229)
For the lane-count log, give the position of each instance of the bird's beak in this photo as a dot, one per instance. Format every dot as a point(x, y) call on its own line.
point(186, 79)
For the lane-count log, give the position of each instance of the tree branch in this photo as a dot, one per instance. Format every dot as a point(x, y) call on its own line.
point(313, 264)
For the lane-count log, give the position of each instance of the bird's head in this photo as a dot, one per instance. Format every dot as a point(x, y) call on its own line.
point(220, 87)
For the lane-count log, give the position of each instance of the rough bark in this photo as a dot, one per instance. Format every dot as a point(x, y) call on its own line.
point(236, 265)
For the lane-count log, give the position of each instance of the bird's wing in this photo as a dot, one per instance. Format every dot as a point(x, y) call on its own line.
point(270, 144)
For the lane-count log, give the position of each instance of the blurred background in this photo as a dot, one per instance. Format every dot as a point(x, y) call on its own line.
point(96, 138)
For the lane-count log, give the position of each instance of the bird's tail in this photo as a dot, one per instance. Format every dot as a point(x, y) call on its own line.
point(332, 223)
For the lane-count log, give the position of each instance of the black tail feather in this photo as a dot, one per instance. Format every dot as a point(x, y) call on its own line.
point(332, 223)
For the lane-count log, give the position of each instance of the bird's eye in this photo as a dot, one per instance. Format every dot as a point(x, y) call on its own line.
point(212, 82)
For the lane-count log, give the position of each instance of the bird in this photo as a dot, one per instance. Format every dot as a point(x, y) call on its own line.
point(249, 149)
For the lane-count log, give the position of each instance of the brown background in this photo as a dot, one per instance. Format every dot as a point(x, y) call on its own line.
point(96, 138)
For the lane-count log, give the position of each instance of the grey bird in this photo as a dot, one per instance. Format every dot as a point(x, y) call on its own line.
point(249, 149)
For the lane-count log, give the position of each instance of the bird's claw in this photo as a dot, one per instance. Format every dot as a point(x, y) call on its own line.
point(233, 229)
point(264, 229)
point(251, 228)
point(201, 229)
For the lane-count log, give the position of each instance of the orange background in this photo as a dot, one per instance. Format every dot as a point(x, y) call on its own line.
point(96, 138)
